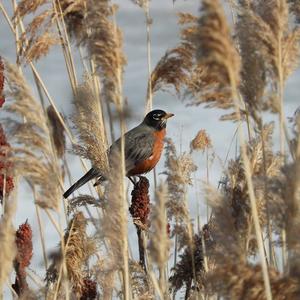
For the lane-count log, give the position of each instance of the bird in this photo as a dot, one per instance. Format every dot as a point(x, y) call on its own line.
point(143, 148)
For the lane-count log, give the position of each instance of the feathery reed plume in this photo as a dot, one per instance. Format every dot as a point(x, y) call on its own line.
point(7, 241)
point(90, 132)
point(57, 132)
point(78, 249)
point(38, 37)
point(295, 120)
point(40, 46)
point(159, 245)
point(26, 7)
point(82, 200)
point(243, 281)
point(24, 255)
point(105, 274)
point(215, 51)
point(181, 69)
point(182, 275)
point(104, 44)
point(263, 166)
point(178, 171)
point(140, 283)
point(174, 68)
point(263, 36)
point(139, 210)
point(201, 141)
point(114, 223)
point(284, 208)
point(73, 13)
point(32, 153)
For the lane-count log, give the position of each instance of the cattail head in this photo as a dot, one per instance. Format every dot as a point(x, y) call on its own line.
point(24, 245)
point(140, 201)
point(6, 178)
point(24, 255)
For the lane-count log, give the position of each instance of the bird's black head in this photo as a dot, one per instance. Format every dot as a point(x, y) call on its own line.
point(157, 119)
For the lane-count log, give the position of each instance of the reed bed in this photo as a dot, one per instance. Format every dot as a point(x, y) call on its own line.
point(248, 244)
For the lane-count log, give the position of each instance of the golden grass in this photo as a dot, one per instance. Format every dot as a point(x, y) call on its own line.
point(255, 210)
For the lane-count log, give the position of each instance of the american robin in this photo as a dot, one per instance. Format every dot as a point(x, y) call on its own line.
point(143, 148)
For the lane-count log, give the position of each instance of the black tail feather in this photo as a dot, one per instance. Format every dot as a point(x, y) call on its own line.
point(92, 173)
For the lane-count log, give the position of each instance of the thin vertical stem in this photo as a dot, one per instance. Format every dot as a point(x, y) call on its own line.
point(149, 100)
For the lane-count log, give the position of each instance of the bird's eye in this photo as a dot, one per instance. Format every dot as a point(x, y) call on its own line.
point(156, 117)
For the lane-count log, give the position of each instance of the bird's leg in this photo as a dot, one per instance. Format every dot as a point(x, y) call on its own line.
point(132, 180)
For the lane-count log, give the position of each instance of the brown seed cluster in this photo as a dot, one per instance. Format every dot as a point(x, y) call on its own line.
point(140, 201)
point(89, 289)
point(6, 181)
point(24, 255)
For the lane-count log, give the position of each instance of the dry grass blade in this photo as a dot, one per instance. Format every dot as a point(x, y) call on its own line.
point(32, 152)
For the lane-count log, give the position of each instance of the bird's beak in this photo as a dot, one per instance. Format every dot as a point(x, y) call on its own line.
point(167, 116)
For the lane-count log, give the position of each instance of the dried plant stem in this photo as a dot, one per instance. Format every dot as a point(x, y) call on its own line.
point(141, 247)
point(124, 209)
point(63, 270)
point(149, 100)
point(156, 285)
point(68, 44)
point(248, 176)
point(42, 236)
point(282, 125)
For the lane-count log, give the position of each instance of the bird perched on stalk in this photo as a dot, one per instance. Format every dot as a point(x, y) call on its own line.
point(143, 148)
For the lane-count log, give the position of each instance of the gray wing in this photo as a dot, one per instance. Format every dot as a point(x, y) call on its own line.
point(139, 144)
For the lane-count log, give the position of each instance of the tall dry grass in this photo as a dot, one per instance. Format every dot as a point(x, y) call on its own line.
point(249, 247)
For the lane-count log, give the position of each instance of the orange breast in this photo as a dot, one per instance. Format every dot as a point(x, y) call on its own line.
point(148, 164)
